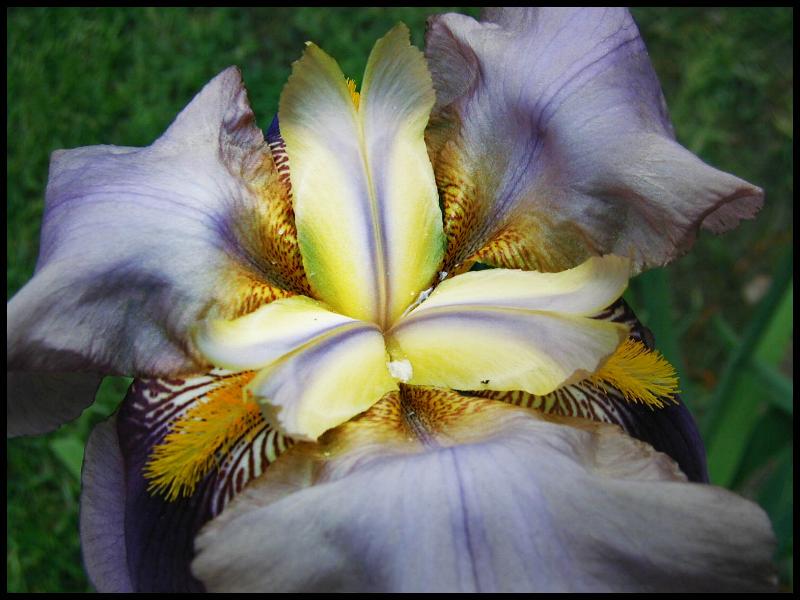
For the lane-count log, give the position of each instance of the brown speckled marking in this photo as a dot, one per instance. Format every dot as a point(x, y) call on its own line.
point(273, 265)
point(278, 230)
point(544, 246)
point(460, 210)
point(278, 149)
point(582, 400)
point(527, 241)
point(528, 236)
point(411, 419)
point(253, 294)
point(439, 409)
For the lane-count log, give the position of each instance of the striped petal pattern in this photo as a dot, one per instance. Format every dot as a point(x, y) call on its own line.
point(365, 198)
point(149, 547)
point(670, 429)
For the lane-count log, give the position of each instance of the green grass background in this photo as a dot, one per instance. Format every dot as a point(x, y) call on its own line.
point(722, 314)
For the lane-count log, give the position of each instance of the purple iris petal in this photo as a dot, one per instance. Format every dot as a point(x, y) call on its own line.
point(132, 254)
point(504, 513)
point(522, 505)
point(552, 123)
point(102, 516)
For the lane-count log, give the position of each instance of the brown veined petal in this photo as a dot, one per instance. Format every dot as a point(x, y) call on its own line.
point(132, 537)
point(551, 142)
point(430, 491)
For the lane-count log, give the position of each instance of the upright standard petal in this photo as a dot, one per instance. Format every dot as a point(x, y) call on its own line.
point(439, 493)
point(513, 330)
point(365, 198)
point(138, 243)
point(317, 368)
point(551, 142)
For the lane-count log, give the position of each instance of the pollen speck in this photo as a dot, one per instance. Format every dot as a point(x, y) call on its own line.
point(356, 97)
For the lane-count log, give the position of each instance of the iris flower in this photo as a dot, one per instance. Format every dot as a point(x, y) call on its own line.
point(333, 391)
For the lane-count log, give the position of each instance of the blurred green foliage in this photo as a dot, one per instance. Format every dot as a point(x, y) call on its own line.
point(80, 77)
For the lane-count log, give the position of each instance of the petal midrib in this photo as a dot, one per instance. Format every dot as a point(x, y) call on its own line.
point(324, 337)
point(465, 310)
point(377, 222)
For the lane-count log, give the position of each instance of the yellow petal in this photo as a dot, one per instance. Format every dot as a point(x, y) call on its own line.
point(513, 330)
point(583, 290)
point(502, 349)
point(316, 368)
point(365, 199)
point(267, 334)
point(324, 384)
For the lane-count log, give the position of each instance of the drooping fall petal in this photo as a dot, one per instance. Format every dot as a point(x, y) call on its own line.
point(441, 493)
point(317, 368)
point(551, 142)
point(137, 243)
point(506, 330)
point(365, 199)
point(102, 521)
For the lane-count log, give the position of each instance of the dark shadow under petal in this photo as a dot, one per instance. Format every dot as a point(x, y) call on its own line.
point(39, 402)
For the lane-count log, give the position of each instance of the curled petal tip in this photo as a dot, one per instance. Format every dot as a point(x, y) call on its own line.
point(743, 203)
